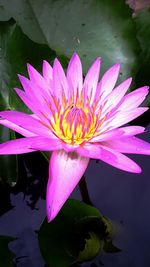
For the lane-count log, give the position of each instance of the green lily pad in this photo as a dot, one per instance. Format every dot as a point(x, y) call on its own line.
point(6, 256)
point(74, 235)
point(96, 28)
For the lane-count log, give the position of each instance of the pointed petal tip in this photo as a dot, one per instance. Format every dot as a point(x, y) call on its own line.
point(48, 219)
point(17, 89)
point(29, 66)
point(117, 66)
point(57, 65)
point(127, 82)
point(97, 59)
point(75, 57)
point(31, 70)
point(51, 213)
point(75, 54)
point(138, 170)
point(22, 78)
point(146, 88)
point(50, 216)
point(129, 79)
point(45, 62)
point(144, 109)
point(56, 61)
point(19, 76)
point(97, 62)
point(65, 171)
point(114, 69)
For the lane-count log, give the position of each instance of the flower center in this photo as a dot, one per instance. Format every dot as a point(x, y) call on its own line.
point(74, 121)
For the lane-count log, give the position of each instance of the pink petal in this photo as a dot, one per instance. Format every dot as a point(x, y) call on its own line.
point(115, 96)
point(65, 171)
point(46, 144)
point(36, 93)
point(32, 105)
point(134, 99)
point(27, 122)
point(16, 128)
point(29, 144)
point(108, 80)
point(91, 79)
point(90, 150)
point(36, 78)
point(30, 91)
point(123, 117)
point(47, 71)
point(74, 73)
point(59, 79)
point(132, 130)
point(118, 160)
point(17, 146)
point(69, 147)
point(130, 144)
point(116, 133)
point(109, 156)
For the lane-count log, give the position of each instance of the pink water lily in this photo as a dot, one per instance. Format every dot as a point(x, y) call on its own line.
point(76, 119)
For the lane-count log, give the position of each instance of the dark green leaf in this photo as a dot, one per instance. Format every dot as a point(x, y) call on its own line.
point(6, 30)
point(62, 240)
point(8, 164)
point(96, 28)
point(143, 30)
point(15, 51)
point(143, 34)
point(6, 256)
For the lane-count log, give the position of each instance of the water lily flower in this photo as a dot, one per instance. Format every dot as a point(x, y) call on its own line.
point(77, 119)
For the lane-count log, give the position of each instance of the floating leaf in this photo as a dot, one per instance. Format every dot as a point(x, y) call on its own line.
point(62, 240)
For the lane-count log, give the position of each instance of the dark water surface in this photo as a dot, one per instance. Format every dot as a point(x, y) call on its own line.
point(121, 196)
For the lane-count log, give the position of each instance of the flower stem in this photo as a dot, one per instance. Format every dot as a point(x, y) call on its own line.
point(84, 191)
